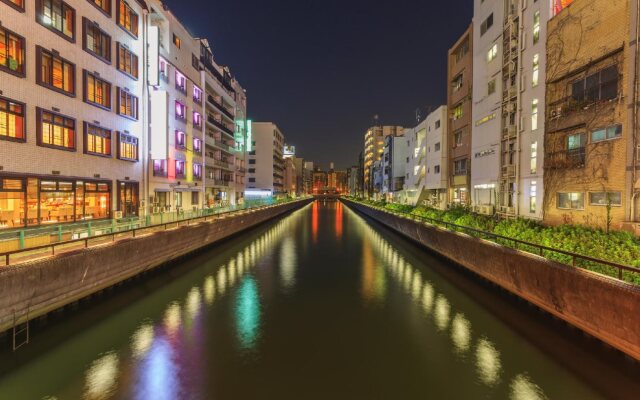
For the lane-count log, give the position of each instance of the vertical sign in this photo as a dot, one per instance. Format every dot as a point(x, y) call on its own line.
point(153, 62)
point(249, 136)
point(159, 124)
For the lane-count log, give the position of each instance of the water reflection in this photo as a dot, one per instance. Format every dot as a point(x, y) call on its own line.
point(102, 376)
point(288, 262)
point(523, 389)
point(141, 341)
point(488, 362)
point(158, 380)
point(248, 313)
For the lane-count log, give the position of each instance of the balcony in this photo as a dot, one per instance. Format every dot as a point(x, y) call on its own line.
point(222, 164)
point(220, 125)
point(220, 107)
point(572, 158)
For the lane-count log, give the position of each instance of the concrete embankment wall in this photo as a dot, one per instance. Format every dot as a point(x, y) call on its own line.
point(38, 287)
point(603, 307)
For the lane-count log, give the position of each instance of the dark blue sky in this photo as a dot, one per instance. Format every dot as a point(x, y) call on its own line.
point(321, 69)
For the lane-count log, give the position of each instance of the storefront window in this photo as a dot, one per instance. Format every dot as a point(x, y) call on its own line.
point(12, 203)
point(56, 201)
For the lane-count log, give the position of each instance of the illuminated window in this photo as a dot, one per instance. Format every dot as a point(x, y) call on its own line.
point(180, 169)
point(55, 130)
point(197, 120)
point(534, 157)
point(181, 111)
point(197, 145)
point(181, 82)
point(457, 112)
point(197, 171)
point(492, 53)
point(103, 5)
point(197, 94)
point(536, 27)
point(55, 72)
point(12, 52)
point(127, 18)
point(164, 70)
point(57, 16)
point(181, 140)
point(533, 196)
point(573, 200)
point(127, 61)
point(127, 147)
point(17, 4)
point(160, 168)
point(534, 114)
point(457, 82)
point(96, 41)
point(97, 91)
point(610, 132)
point(127, 104)
point(177, 41)
point(12, 120)
point(97, 140)
point(536, 70)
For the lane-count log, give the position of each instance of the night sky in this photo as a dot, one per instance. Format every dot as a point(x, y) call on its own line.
point(322, 69)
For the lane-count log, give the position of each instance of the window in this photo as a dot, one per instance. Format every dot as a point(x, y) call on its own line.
point(55, 72)
point(197, 120)
point(12, 125)
point(127, 147)
point(95, 40)
point(12, 57)
point(534, 114)
point(195, 63)
point(436, 169)
point(534, 157)
point(181, 111)
point(462, 50)
point(197, 94)
point(536, 27)
point(181, 140)
point(602, 85)
point(252, 180)
point(572, 201)
point(97, 140)
point(576, 141)
point(195, 196)
point(457, 111)
point(197, 145)
point(57, 16)
point(605, 198)
point(437, 147)
point(536, 70)
point(460, 167)
point(160, 168)
point(533, 196)
point(127, 18)
point(177, 41)
point(486, 24)
point(457, 138)
point(610, 132)
point(103, 5)
point(179, 169)
point(127, 104)
point(457, 82)
point(55, 130)
point(17, 4)
point(492, 53)
point(437, 124)
point(252, 170)
point(127, 61)
point(491, 87)
point(97, 91)
point(252, 162)
point(197, 171)
point(181, 82)
point(164, 69)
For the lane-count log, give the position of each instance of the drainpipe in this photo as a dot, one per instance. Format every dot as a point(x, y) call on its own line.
point(634, 123)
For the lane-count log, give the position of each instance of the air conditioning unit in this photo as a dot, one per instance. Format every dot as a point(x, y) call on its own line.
point(486, 209)
point(117, 215)
point(155, 210)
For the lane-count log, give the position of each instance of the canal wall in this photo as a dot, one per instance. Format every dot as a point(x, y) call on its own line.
point(600, 306)
point(35, 288)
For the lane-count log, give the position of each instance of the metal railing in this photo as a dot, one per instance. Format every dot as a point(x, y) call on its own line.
point(109, 231)
point(576, 260)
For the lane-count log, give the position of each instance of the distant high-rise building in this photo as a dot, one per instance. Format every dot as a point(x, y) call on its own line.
point(266, 161)
point(373, 148)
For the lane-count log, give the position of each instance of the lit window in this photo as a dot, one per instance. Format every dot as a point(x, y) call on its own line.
point(164, 70)
point(534, 114)
point(104, 5)
point(536, 27)
point(97, 140)
point(197, 171)
point(127, 104)
point(55, 72)
point(177, 41)
point(197, 94)
point(197, 145)
point(97, 91)
point(160, 168)
point(181, 111)
point(492, 53)
point(96, 41)
point(181, 82)
point(533, 195)
point(534, 157)
point(55, 130)
point(127, 18)
point(197, 120)
point(457, 112)
point(12, 120)
point(127, 147)
point(11, 52)
point(17, 4)
point(574, 201)
point(57, 16)
point(610, 132)
point(181, 138)
point(536, 70)
point(179, 169)
point(127, 61)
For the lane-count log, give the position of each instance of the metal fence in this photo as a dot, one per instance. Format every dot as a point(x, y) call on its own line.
point(612, 269)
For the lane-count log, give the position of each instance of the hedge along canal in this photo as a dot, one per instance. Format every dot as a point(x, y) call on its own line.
point(600, 306)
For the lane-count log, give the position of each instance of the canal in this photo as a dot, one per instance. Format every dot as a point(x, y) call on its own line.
point(320, 304)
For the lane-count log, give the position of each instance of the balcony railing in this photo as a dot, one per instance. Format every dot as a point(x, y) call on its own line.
point(572, 158)
point(222, 164)
point(220, 107)
point(219, 125)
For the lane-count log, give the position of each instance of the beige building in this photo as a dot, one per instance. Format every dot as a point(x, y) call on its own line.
point(374, 147)
point(590, 135)
point(71, 112)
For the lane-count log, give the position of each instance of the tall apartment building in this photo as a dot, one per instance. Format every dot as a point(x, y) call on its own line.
point(176, 173)
point(71, 114)
point(437, 159)
point(393, 164)
point(486, 136)
point(591, 135)
point(373, 148)
point(416, 169)
point(265, 161)
point(240, 136)
point(459, 128)
point(308, 177)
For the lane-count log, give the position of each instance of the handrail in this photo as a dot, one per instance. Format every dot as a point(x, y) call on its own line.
point(172, 224)
point(541, 248)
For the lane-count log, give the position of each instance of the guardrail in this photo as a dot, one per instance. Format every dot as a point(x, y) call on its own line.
point(577, 260)
point(123, 230)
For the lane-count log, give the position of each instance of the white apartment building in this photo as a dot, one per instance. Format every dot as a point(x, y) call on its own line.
point(176, 96)
point(265, 167)
point(71, 115)
point(436, 161)
point(240, 135)
point(488, 18)
point(393, 164)
point(416, 169)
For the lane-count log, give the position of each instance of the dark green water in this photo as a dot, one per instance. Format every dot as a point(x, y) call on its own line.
point(319, 305)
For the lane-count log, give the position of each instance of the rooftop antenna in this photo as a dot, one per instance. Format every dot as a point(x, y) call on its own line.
point(376, 121)
point(418, 116)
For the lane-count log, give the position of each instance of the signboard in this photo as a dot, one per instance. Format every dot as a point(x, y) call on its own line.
point(249, 136)
point(153, 61)
point(559, 5)
point(159, 124)
point(289, 151)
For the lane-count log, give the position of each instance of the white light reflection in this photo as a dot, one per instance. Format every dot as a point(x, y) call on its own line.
point(102, 377)
point(523, 389)
point(141, 341)
point(461, 333)
point(209, 290)
point(488, 362)
point(193, 303)
point(441, 313)
point(288, 262)
point(172, 318)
